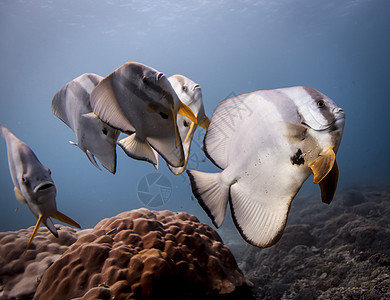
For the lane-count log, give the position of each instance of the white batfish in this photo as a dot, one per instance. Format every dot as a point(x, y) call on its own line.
point(94, 138)
point(268, 143)
point(190, 94)
point(33, 184)
point(140, 101)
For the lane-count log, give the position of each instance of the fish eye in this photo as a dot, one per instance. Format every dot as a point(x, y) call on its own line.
point(49, 171)
point(184, 88)
point(24, 180)
point(145, 79)
point(321, 103)
point(104, 131)
point(185, 123)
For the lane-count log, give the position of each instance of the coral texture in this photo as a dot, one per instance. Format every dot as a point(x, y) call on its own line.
point(151, 255)
point(20, 270)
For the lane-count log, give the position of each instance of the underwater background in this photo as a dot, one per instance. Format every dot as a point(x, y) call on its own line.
point(339, 47)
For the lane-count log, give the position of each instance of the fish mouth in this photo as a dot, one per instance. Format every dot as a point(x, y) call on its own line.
point(43, 186)
point(196, 86)
point(159, 76)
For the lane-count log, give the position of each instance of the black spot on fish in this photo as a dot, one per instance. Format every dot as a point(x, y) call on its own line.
point(164, 116)
point(185, 123)
point(298, 159)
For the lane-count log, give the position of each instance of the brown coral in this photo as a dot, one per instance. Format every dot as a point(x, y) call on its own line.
point(152, 255)
point(20, 271)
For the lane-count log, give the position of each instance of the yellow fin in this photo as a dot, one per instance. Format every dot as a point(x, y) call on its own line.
point(19, 196)
point(40, 219)
point(175, 126)
point(189, 132)
point(65, 219)
point(204, 123)
point(186, 111)
point(329, 184)
point(322, 165)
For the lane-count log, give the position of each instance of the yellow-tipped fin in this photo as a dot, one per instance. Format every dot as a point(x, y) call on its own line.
point(186, 111)
point(189, 132)
point(329, 184)
point(175, 126)
point(322, 165)
point(40, 219)
point(204, 123)
point(65, 219)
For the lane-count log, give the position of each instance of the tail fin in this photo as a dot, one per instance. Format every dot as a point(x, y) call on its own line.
point(212, 194)
point(65, 219)
point(139, 150)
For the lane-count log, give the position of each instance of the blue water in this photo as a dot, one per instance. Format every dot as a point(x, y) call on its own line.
point(339, 47)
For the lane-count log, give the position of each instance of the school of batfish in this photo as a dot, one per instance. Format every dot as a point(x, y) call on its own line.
point(267, 143)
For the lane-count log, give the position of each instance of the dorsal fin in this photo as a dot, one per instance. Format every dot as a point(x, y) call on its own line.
point(228, 114)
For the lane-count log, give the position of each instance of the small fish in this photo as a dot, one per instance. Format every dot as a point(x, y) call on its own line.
point(112, 231)
point(33, 184)
point(140, 101)
point(94, 138)
point(190, 94)
point(268, 143)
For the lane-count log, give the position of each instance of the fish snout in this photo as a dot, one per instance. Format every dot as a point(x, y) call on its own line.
point(44, 186)
point(337, 110)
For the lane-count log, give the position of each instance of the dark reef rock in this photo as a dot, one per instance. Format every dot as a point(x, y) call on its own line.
point(152, 255)
point(340, 251)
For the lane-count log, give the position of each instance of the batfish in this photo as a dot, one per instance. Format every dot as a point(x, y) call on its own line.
point(268, 143)
point(190, 94)
point(33, 184)
point(95, 138)
point(140, 101)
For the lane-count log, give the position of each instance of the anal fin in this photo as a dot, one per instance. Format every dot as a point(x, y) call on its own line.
point(139, 150)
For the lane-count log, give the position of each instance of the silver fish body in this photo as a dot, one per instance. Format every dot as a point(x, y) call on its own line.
point(268, 143)
point(94, 137)
point(189, 93)
point(33, 184)
point(140, 101)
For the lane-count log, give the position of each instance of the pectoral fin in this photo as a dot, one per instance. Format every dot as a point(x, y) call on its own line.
point(322, 165)
point(19, 196)
point(65, 219)
point(329, 184)
point(186, 111)
point(295, 133)
point(40, 219)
